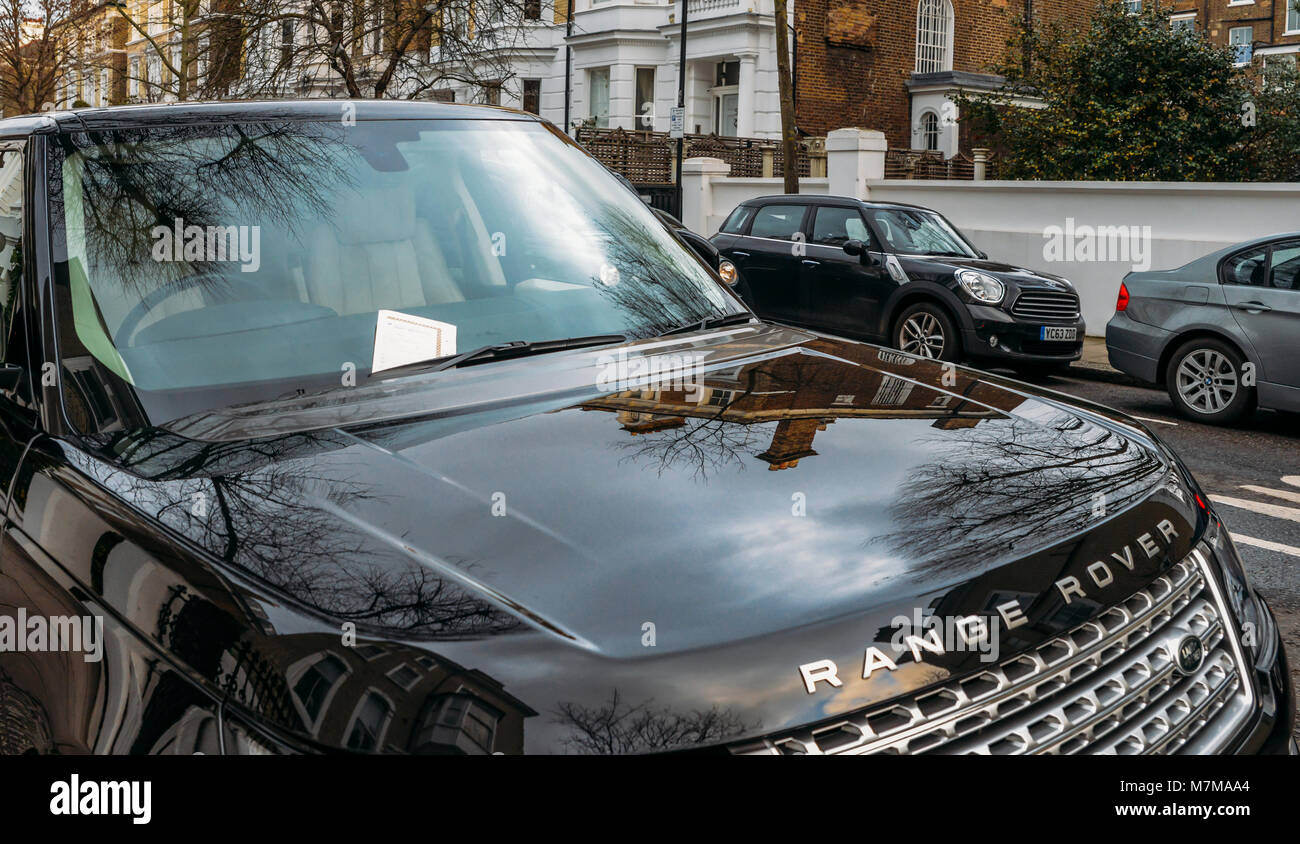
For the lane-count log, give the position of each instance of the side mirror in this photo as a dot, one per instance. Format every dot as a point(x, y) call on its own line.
point(981, 253)
point(853, 247)
point(10, 376)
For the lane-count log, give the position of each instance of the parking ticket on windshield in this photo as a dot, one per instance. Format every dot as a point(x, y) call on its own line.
point(402, 338)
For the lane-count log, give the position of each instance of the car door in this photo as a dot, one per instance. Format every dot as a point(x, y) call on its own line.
point(1261, 287)
point(768, 257)
point(845, 293)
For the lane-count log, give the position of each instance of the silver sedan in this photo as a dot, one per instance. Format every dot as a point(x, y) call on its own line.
point(1221, 334)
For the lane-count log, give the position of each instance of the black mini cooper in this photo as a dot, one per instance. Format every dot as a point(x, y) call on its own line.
point(898, 274)
point(416, 433)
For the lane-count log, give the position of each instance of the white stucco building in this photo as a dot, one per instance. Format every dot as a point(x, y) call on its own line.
point(624, 67)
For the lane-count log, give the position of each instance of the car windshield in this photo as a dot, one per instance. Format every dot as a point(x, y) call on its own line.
point(916, 232)
point(205, 266)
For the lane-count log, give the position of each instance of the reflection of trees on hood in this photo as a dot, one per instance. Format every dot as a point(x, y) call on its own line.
point(1006, 482)
point(276, 174)
point(702, 446)
point(256, 507)
point(617, 727)
point(660, 285)
point(708, 441)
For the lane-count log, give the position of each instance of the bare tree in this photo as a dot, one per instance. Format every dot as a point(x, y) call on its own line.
point(789, 136)
point(400, 48)
point(220, 49)
point(33, 49)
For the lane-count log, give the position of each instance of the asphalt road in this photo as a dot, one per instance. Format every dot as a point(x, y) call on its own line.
point(1251, 472)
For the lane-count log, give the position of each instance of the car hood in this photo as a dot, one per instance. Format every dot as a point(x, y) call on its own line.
point(1025, 278)
point(643, 563)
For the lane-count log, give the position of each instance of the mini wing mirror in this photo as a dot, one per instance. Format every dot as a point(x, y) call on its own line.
point(10, 376)
point(853, 247)
point(982, 253)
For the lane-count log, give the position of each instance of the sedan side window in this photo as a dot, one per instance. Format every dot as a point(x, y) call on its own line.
point(837, 226)
point(777, 221)
point(1247, 268)
point(1284, 270)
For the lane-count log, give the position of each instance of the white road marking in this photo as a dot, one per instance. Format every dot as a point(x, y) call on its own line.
point(1266, 544)
point(1274, 510)
point(1293, 480)
point(1276, 493)
point(1160, 421)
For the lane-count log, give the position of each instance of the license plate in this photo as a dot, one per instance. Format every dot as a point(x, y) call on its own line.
point(1047, 332)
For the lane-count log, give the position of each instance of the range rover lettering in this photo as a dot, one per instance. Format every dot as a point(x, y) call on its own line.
point(420, 434)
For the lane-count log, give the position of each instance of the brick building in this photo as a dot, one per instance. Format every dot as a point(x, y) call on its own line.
point(1269, 29)
point(894, 66)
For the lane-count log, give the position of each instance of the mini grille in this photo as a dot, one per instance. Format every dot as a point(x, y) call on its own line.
point(1107, 686)
point(1039, 304)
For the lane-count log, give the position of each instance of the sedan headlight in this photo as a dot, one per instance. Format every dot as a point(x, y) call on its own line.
point(982, 287)
point(729, 273)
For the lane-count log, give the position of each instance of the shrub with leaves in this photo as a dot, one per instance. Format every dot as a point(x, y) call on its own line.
point(1130, 98)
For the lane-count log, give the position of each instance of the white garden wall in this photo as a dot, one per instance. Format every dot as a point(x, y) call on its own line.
point(1020, 222)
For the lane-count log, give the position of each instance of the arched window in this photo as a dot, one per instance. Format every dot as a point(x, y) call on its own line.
point(930, 130)
point(934, 36)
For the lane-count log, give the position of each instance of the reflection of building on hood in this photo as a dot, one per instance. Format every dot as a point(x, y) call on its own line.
point(803, 401)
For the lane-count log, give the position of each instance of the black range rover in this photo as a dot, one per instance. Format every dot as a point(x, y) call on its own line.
point(288, 510)
point(901, 275)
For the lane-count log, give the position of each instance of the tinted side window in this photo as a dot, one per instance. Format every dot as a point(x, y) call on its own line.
point(735, 223)
point(1246, 268)
point(778, 221)
point(836, 226)
point(1284, 271)
point(13, 338)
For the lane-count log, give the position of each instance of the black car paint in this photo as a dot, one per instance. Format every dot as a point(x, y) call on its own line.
point(533, 606)
point(825, 289)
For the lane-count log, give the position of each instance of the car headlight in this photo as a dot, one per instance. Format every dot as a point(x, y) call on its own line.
point(982, 287)
point(1255, 626)
point(729, 273)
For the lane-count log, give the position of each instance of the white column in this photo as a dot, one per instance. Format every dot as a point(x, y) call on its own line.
point(622, 91)
point(697, 191)
point(746, 102)
point(854, 157)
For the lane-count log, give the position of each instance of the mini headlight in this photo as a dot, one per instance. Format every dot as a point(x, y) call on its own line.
point(982, 287)
point(729, 273)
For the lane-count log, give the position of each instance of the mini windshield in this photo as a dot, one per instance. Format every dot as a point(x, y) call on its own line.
point(914, 231)
point(206, 266)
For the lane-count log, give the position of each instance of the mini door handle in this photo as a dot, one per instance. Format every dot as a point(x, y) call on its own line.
point(741, 254)
point(1252, 306)
point(808, 262)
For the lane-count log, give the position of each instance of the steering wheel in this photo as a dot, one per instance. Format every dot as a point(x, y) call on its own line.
point(220, 289)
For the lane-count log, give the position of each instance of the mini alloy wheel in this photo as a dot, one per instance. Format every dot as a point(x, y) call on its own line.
point(927, 332)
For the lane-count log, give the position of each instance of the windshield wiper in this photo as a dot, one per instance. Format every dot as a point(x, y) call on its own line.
point(711, 322)
point(501, 351)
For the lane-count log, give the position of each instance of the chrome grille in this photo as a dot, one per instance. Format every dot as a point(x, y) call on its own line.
point(1107, 686)
point(1041, 304)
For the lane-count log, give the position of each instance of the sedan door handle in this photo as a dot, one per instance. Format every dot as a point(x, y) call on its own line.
point(808, 262)
point(1258, 307)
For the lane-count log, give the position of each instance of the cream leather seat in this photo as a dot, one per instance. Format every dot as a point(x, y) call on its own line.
point(386, 257)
